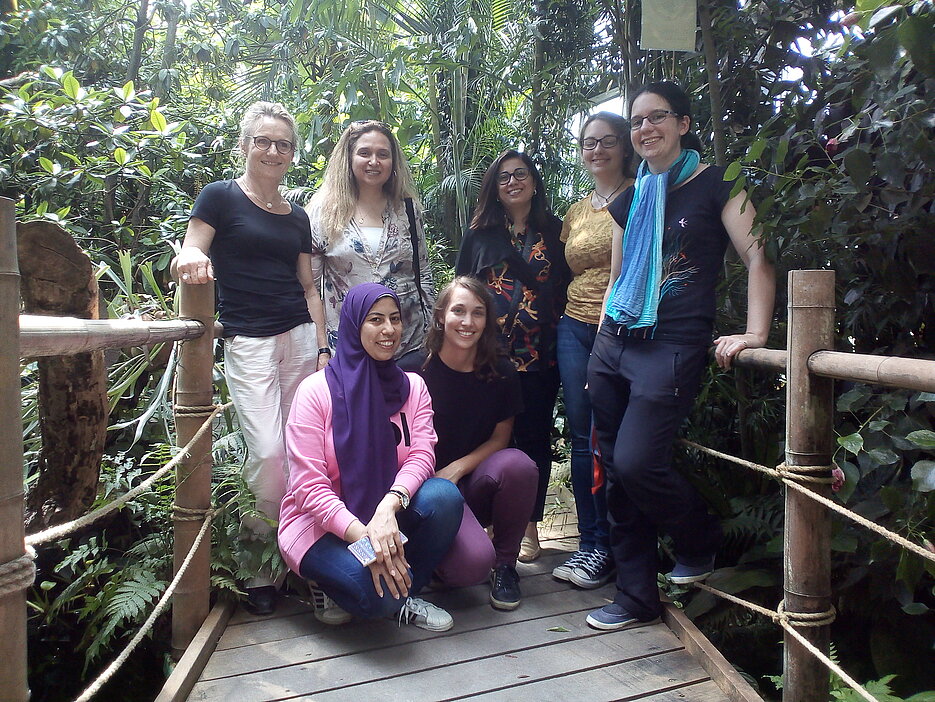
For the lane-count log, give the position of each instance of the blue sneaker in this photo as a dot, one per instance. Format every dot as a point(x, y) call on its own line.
point(683, 574)
point(613, 617)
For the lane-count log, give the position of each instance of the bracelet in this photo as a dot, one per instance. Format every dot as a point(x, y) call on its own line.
point(324, 349)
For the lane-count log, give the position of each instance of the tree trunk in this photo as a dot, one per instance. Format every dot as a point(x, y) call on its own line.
point(714, 85)
point(58, 279)
point(139, 34)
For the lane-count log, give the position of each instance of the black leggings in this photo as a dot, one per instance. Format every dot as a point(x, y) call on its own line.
point(532, 428)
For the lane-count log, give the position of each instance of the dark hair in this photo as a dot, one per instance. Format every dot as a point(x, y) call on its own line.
point(488, 346)
point(490, 212)
point(620, 127)
point(679, 102)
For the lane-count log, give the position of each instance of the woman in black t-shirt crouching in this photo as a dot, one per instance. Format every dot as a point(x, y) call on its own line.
point(475, 395)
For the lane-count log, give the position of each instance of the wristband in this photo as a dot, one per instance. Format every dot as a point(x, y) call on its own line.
point(324, 349)
point(402, 496)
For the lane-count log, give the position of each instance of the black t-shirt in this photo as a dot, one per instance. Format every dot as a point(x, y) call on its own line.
point(255, 255)
point(693, 246)
point(467, 409)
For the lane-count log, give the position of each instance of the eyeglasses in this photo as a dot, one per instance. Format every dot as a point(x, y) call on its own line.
point(520, 174)
point(283, 146)
point(654, 117)
point(608, 142)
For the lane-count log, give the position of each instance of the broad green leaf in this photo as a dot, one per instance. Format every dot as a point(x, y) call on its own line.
point(858, 165)
point(852, 442)
point(120, 156)
point(923, 476)
point(732, 171)
point(883, 14)
point(756, 148)
point(71, 86)
point(914, 609)
point(128, 90)
point(883, 456)
point(46, 164)
point(923, 438)
point(560, 629)
point(157, 120)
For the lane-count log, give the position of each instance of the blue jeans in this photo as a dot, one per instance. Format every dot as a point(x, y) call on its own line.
point(575, 340)
point(430, 522)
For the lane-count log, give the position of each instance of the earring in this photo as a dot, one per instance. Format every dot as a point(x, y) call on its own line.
point(439, 326)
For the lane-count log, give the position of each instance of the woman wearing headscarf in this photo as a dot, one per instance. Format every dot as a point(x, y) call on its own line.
point(367, 227)
point(671, 231)
point(360, 444)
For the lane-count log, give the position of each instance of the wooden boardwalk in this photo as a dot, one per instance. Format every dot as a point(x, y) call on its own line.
point(541, 651)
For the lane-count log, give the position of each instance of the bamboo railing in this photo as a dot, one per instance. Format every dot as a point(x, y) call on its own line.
point(30, 336)
point(808, 364)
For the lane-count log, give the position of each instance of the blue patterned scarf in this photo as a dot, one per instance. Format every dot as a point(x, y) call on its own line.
point(634, 299)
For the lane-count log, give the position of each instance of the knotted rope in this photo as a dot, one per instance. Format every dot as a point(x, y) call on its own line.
point(19, 573)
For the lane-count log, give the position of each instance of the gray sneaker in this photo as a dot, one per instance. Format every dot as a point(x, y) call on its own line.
point(425, 615)
point(595, 570)
point(327, 610)
point(563, 572)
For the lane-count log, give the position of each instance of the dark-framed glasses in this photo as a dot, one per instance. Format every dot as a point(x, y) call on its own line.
point(654, 117)
point(608, 141)
point(283, 146)
point(521, 173)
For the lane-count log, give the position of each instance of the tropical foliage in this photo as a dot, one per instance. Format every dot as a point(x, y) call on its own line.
point(114, 114)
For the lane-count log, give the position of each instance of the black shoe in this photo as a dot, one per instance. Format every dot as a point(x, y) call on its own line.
point(504, 588)
point(260, 600)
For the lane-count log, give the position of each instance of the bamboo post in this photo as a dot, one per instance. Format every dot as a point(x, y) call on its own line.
point(809, 437)
point(193, 389)
point(13, 672)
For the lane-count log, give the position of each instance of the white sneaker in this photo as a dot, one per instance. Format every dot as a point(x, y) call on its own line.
point(327, 610)
point(425, 615)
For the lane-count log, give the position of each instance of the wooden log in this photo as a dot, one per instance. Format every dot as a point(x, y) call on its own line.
point(56, 336)
point(809, 441)
point(893, 371)
point(13, 682)
point(194, 388)
point(58, 279)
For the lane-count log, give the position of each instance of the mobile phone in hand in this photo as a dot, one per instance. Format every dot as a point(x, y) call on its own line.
point(363, 549)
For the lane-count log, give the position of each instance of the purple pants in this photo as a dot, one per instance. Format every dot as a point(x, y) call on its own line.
point(500, 492)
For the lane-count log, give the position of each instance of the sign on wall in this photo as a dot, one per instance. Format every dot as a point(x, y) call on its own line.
point(668, 25)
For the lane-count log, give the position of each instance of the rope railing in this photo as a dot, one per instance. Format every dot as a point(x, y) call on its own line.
point(61, 530)
point(147, 626)
point(790, 475)
point(789, 621)
point(794, 477)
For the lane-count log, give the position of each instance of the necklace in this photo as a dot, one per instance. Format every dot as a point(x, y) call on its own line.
point(610, 196)
point(251, 193)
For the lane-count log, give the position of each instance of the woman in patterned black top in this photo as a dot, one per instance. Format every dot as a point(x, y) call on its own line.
point(513, 246)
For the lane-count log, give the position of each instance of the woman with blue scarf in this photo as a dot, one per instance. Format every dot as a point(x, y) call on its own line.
point(671, 232)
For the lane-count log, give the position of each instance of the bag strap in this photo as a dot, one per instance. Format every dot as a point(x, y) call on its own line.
point(416, 266)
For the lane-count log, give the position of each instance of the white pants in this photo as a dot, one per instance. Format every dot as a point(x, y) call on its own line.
point(263, 374)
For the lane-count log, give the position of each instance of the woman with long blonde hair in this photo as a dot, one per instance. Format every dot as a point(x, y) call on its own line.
point(367, 228)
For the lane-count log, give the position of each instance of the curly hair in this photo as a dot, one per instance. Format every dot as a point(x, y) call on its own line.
point(489, 350)
point(337, 197)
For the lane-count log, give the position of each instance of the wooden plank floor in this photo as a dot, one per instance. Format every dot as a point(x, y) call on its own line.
point(541, 651)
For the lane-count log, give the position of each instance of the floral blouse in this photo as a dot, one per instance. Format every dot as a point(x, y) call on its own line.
point(349, 261)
